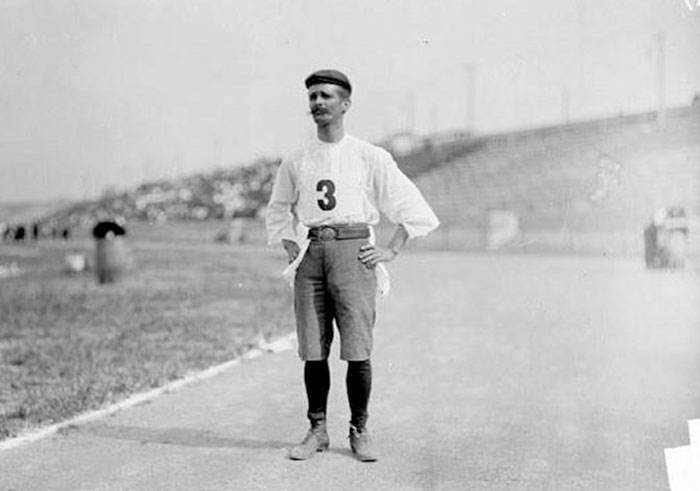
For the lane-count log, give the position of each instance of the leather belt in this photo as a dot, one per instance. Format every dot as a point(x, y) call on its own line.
point(339, 232)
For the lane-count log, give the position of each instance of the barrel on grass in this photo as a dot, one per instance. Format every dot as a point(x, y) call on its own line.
point(112, 257)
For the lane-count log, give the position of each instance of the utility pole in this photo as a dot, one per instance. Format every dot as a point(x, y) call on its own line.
point(433, 119)
point(565, 105)
point(386, 129)
point(661, 80)
point(86, 186)
point(411, 113)
point(146, 171)
point(216, 143)
point(471, 97)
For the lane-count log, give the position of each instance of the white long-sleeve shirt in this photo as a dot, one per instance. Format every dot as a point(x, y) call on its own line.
point(346, 182)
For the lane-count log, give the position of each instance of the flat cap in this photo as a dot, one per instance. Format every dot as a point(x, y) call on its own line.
point(328, 77)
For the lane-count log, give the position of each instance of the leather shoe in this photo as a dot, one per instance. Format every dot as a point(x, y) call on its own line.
point(361, 445)
point(316, 440)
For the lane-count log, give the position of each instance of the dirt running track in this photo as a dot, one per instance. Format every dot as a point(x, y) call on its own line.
point(491, 373)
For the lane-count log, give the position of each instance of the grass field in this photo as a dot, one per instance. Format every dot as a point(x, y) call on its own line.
point(68, 345)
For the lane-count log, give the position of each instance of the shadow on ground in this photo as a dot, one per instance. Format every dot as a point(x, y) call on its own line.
point(185, 437)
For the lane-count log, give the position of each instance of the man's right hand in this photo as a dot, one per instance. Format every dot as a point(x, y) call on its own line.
point(292, 249)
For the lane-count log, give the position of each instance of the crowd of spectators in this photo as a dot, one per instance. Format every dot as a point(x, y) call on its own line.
point(240, 192)
point(33, 230)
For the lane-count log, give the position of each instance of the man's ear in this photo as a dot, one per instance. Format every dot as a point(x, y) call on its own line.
point(346, 104)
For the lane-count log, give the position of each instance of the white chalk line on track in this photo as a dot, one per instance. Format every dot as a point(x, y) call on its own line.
point(281, 344)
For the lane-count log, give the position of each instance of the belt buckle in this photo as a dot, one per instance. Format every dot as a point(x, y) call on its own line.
point(327, 233)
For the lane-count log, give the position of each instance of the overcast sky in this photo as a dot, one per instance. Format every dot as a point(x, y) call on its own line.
point(97, 93)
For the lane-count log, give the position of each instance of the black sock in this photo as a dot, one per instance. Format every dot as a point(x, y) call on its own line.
point(317, 379)
point(359, 386)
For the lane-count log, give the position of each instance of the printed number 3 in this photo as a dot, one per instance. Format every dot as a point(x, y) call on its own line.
point(327, 187)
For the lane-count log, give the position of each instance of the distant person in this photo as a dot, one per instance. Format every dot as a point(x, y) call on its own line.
point(651, 245)
point(35, 231)
point(65, 233)
point(334, 188)
point(676, 238)
point(20, 233)
point(666, 238)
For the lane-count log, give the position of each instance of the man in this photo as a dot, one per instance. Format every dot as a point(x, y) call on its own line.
point(324, 201)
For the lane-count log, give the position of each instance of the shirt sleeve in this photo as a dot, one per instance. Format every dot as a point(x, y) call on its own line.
point(279, 217)
point(401, 200)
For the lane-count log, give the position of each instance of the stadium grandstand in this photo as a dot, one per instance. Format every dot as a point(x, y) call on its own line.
point(586, 187)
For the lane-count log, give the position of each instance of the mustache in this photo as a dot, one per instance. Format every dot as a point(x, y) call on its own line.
point(318, 111)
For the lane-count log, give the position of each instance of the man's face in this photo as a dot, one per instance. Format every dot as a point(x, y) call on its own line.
point(327, 103)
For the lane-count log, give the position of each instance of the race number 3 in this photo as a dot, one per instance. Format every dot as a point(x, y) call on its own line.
point(327, 187)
